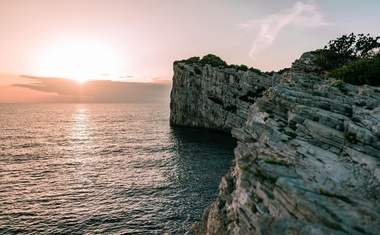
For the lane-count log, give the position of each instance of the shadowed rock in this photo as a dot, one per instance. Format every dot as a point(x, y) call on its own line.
point(308, 155)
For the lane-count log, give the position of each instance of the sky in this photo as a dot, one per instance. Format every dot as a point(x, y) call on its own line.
point(124, 41)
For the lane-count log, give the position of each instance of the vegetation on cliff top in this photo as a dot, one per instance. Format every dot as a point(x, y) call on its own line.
point(350, 58)
point(353, 59)
point(216, 61)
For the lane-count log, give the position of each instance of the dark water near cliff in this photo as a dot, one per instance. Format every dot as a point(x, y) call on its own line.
point(104, 169)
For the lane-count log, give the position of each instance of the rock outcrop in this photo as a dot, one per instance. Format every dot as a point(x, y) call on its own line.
point(307, 160)
point(212, 97)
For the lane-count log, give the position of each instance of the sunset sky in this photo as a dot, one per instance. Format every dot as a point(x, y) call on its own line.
point(137, 41)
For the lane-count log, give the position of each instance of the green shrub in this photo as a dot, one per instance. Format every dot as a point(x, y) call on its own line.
point(269, 73)
point(340, 85)
point(359, 72)
point(337, 83)
point(233, 66)
point(243, 67)
point(213, 60)
point(190, 61)
point(353, 59)
point(258, 71)
point(328, 59)
point(193, 60)
point(350, 137)
point(238, 67)
point(281, 71)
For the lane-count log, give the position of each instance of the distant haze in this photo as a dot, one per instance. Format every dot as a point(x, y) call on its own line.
point(59, 90)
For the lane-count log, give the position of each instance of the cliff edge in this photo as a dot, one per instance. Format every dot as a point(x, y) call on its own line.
point(308, 154)
point(214, 97)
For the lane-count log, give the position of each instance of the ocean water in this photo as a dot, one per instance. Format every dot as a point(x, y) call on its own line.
point(105, 169)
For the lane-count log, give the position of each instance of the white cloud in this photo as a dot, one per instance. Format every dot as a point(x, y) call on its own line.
point(304, 15)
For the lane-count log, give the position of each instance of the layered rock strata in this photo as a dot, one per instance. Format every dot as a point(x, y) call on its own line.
point(216, 98)
point(307, 160)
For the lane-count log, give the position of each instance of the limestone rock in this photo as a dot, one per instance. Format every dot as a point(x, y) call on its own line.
point(213, 97)
point(308, 154)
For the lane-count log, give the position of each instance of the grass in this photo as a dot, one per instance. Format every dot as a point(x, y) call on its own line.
point(350, 137)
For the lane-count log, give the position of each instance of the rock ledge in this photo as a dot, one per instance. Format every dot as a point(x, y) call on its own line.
point(308, 154)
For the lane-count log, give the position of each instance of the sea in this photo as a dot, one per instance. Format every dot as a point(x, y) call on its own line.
point(105, 169)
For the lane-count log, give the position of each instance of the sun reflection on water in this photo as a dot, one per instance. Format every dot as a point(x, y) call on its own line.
point(81, 146)
point(81, 129)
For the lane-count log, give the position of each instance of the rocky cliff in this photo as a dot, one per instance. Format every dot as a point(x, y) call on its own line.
point(308, 155)
point(213, 97)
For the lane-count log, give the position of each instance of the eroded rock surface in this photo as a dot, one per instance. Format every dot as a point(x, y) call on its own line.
point(307, 160)
point(211, 97)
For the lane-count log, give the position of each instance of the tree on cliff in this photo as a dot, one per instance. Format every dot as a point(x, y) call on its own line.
point(348, 48)
point(354, 59)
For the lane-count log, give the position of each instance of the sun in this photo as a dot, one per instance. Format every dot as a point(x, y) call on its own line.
point(80, 60)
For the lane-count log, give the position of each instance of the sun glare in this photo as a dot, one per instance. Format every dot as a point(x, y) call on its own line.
point(79, 60)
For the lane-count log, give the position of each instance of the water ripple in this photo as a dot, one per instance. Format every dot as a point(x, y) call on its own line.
point(104, 169)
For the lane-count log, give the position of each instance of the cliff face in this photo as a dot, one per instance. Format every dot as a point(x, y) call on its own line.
point(307, 160)
point(216, 98)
